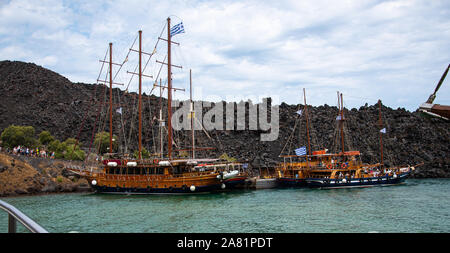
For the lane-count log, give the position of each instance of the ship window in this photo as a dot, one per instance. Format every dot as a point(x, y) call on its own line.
point(117, 171)
point(159, 170)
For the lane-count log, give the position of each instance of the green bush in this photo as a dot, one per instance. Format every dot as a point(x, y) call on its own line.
point(145, 154)
point(13, 136)
point(102, 143)
point(72, 153)
point(45, 138)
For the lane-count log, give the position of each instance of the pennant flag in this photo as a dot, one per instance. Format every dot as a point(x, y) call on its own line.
point(383, 130)
point(301, 151)
point(119, 110)
point(176, 29)
point(299, 112)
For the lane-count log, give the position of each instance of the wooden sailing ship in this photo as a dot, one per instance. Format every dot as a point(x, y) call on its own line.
point(345, 169)
point(159, 175)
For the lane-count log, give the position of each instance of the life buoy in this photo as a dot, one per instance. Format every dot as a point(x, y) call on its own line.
point(344, 165)
point(329, 166)
point(155, 161)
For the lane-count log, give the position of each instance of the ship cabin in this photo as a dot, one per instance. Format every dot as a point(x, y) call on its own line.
point(320, 164)
point(174, 167)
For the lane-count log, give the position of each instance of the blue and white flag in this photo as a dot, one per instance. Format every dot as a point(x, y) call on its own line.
point(383, 130)
point(339, 117)
point(299, 112)
point(300, 151)
point(176, 29)
point(119, 110)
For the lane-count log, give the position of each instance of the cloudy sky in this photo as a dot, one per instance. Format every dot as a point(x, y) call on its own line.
point(395, 51)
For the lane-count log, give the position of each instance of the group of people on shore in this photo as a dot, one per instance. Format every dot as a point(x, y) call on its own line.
point(33, 152)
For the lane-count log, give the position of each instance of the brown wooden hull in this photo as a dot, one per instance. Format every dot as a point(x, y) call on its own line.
point(154, 184)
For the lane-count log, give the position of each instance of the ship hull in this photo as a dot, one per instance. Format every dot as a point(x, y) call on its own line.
point(117, 184)
point(356, 182)
point(238, 182)
point(149, 190)
point(285, 182)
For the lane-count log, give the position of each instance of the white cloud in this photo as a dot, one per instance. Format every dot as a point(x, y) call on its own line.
point(392, 50)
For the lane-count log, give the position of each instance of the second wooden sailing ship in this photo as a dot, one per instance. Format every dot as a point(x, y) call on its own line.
point(345, 169)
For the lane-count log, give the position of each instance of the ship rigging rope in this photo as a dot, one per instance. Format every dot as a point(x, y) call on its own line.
point(90, 104)
point(99, 110)
point(292, 134)
point(124, 93)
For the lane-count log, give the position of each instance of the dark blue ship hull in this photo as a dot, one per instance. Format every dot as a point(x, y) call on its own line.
point(285, 182)
point(356, 182)
point(235, 183)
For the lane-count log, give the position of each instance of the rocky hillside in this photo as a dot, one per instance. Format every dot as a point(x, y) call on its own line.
point(32, 95)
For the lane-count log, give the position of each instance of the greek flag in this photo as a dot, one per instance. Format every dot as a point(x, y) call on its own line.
point(176, 29)
point(339, 117)
point(300, 151)
point(299, 112)
point(119, 110)
point(383, 130)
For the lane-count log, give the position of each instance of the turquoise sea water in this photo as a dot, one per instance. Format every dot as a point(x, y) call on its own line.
point(416, 206)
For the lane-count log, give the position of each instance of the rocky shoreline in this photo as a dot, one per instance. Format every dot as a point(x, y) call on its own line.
point(21, 175)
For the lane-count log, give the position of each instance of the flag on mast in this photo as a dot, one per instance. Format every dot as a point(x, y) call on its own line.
point(301, 151)
point(383, 130)
point(119, 110)
point(176, 29)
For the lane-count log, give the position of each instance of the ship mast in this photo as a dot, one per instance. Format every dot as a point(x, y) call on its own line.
point(307, 128)
point(169, 90)
point(140, 94)
point(342, 125)
point(140, 74)
point(381, 134)
point(192, 115)
point(110, 98)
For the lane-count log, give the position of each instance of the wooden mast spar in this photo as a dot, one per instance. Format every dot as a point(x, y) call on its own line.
point(169, 90)
point(140, 94)
point(342, 126)
point(110, 98)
